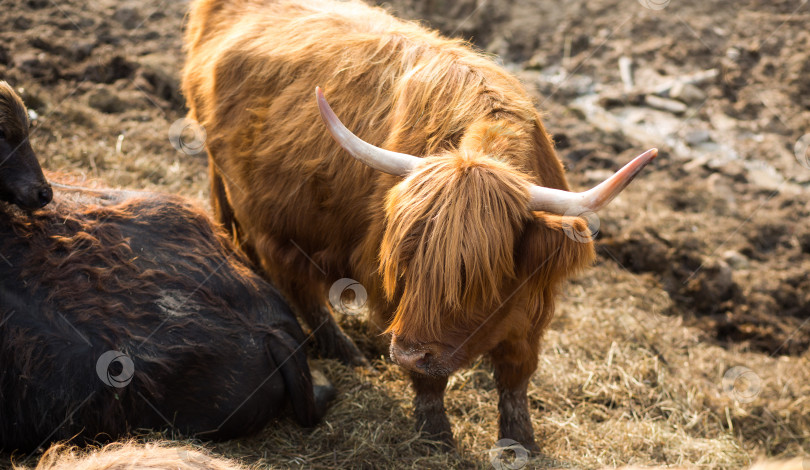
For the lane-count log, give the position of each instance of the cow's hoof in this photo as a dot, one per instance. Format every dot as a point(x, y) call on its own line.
point(443, 444)
point(333, 343)
point(436, 428)
point(527, 443)
point(532, 447)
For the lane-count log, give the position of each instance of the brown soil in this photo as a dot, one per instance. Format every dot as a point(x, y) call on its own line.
point(703, 260)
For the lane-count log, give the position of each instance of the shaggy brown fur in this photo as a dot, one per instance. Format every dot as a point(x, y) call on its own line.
point(21, 179)
point(454, 263)
point(131, 456)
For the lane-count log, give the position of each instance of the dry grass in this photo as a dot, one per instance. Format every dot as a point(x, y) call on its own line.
point(618, 384)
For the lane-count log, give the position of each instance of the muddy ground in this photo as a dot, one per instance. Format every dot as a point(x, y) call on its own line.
point(703, 260)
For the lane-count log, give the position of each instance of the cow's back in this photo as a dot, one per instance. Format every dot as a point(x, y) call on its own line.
point(249, 79)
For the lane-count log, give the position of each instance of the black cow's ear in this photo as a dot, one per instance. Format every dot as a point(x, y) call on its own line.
point(291, 361)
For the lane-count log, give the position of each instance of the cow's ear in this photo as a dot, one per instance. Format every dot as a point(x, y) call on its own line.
point(553, 248)
point(548, 253)
point(548, 165)
point(291, 361)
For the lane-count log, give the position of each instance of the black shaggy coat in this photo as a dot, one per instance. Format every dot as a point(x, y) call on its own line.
point(215, 349)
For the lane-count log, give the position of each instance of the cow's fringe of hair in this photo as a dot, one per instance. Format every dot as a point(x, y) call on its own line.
point(450, 237)
point(130, 455)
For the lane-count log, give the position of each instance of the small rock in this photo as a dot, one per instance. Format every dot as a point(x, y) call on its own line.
point(114, 69)
point(695, 163)
point(688, 93)
point(766, 178)
point(81, 50)
point(804, 241)
point(537, 62)
point(733, 54)
point(735, 259)
point(557, 80)
point(710, 285)
point(105, 101)
point(732, 168)
point(626, 72)
point(22, 23)
point(675, 107)
point(36, 65)
point(156, 74)
point(580, 43)
point(128, 17)
point(697, 136)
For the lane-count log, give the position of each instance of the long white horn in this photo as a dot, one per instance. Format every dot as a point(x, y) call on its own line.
point(393, 163)
point(564, 202)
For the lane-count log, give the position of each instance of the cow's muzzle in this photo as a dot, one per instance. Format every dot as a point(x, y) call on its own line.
point(431, 359)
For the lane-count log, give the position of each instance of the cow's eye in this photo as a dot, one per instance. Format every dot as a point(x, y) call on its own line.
point(2, 134)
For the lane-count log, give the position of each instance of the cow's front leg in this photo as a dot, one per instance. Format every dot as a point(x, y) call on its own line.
point(428, 405)
point(514, 365)
point(331, 340)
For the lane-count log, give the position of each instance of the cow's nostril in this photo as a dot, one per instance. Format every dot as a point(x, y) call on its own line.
point(413, 360)
point(45, 196)
point(424, 360)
